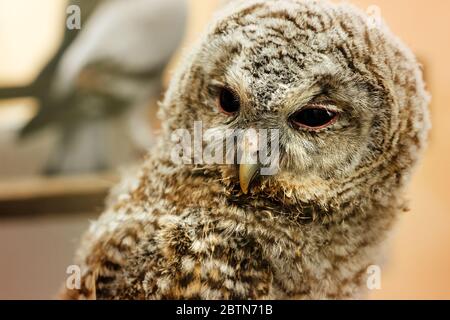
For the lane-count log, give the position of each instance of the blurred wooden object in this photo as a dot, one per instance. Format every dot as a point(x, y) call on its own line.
point(58, 195)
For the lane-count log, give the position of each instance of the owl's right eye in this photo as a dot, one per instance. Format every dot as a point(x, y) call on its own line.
point(228, 101)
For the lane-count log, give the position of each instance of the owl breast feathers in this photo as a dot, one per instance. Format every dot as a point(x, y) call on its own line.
point(349, 103)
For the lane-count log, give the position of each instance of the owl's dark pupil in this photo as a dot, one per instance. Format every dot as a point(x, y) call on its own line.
point(228, 101)
point(313, 118)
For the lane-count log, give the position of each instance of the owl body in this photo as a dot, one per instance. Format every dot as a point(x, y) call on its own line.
point(308, 231)
point(183, 241)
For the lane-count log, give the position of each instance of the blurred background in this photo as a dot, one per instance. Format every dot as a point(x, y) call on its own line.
point(56, 167)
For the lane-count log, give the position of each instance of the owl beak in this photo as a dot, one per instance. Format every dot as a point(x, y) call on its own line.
point(249, 166)
point(247, 174)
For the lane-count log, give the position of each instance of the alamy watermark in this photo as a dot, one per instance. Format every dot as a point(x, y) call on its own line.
point(73, 281)
point(374, 20)
point(73, 20)
point(373, 281)
point(227, 146)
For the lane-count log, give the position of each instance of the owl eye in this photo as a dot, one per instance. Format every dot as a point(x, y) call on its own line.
point(228, 102)
point(314, 118)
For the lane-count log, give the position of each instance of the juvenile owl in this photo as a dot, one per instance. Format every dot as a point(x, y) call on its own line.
point(347, 100)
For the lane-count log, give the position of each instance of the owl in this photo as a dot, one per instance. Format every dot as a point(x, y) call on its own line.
point(350, 107)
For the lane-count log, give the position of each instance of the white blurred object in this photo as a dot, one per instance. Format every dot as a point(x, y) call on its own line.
point(102, 84)
point(132, 36)
point(123, 49)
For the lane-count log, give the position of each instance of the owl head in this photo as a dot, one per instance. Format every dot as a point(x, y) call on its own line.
point(344, 94)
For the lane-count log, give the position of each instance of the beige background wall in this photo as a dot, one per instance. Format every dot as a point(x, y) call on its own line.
point(419, 263)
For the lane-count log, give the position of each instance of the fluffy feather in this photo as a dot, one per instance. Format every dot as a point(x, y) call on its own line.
point(311, 230)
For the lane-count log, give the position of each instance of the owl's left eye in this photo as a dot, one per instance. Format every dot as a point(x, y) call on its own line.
point(228, 101)
point(314, 118)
